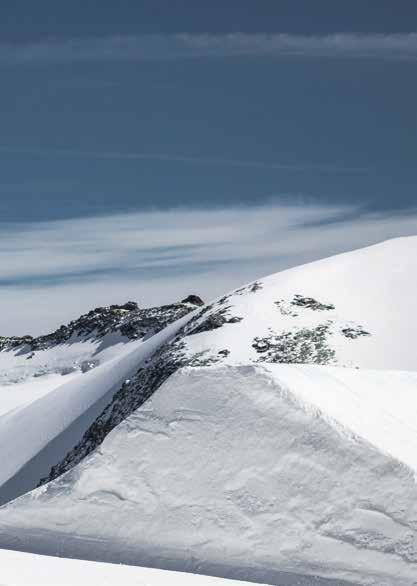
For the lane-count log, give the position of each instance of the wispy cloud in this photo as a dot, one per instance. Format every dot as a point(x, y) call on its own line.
point(173, 158)
point(147, 47)
point(51, 272)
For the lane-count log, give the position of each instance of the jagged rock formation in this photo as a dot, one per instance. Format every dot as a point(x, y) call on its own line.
point(128, 319)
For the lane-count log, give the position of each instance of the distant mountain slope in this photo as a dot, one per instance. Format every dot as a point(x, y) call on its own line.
point(79, 345)
point(65, 380)
point(247, 471)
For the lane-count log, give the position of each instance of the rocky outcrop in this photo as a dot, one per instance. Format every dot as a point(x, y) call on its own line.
point(131, 321)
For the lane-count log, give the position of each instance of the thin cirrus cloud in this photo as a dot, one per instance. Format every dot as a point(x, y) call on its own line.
point(51, 272)
point(170, 157)
point(402, 46)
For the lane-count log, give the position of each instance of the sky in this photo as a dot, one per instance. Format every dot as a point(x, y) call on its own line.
point(151, 149)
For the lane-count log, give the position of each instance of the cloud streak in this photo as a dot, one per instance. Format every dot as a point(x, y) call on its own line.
point(173, 158)
point(51, 272)
point(401, 46)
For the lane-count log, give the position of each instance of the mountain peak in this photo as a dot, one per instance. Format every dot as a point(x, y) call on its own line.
point(194, 300)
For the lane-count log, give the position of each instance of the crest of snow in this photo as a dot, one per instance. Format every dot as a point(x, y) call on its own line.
point(251, 472)
point(38, 433)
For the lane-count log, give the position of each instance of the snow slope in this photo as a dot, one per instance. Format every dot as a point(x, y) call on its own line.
point(37, 435)
point(265, 473)
point(279, 443)
point(357, 309)
point(34, 570)
point(32, 367)
point(24, 380)
point(23, 569)
point(367, 299)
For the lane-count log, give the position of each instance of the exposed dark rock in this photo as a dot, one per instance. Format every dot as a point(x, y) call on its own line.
point(11, 342)
point(302, 346)
point(224, 352)
point(129, 306)
point(127, 319)
point(310, 303)
point(354, 332)
point(261, 344)
point(194, 300)
point(252, 288)
point(212, 322)
point(257, 286)
point(234, 319)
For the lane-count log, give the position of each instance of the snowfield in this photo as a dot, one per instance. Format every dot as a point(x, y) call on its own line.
point(34, 570)
point(234, 471)
point(270, 436)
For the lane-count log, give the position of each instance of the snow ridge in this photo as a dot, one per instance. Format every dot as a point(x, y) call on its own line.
point(268, 436)
point(301, 344)
point(227, 460)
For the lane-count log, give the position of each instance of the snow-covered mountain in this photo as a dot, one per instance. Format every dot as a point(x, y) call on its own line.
point(338, 311)
point(52, 388)
point(267, 436)
point(85, 342)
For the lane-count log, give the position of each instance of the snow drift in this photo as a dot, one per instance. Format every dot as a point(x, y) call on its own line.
point(37, 435)
point(245, 472)
point(279, 443)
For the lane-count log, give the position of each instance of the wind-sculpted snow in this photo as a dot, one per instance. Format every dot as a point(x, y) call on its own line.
point(248, 439)
point(246, 472)
point(44, 430)
point(332, 312)
point(52, 388)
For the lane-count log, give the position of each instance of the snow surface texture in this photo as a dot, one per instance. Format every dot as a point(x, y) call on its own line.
point(244, 472)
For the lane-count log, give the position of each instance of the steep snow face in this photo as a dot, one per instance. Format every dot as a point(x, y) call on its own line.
point(53, 388)
point(24, 569)
point(246, 472)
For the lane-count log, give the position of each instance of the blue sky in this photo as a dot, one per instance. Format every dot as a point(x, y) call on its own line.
point(155, 111)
